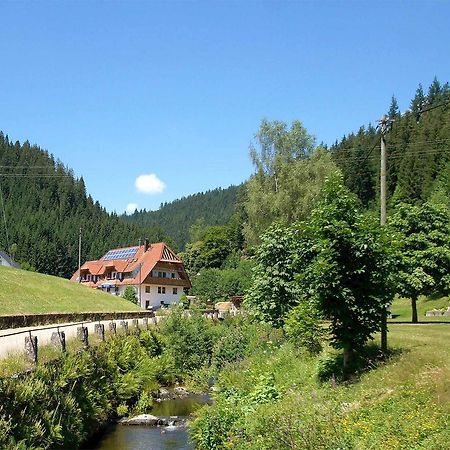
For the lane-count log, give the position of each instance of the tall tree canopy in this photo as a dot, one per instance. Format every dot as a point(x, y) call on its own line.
point(340, 260)
point(288, 177)
point(424, 253)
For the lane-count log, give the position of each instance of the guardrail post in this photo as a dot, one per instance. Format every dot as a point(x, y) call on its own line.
point(135, 326)
point(145, 322)
point(99, 330)
point(31, 348)
point(124, 326)
point(83, 336)
point(58, 340)
point(113, 327)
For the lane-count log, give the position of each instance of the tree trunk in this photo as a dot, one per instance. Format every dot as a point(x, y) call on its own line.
point(384, 344)
point(348, 358)
point(414, 309)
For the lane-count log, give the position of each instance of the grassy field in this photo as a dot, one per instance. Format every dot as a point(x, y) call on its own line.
point(401, 309)
point(23, 292)
point(403, 403)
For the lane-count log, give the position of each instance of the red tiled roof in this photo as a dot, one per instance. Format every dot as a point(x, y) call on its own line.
point(158, 252)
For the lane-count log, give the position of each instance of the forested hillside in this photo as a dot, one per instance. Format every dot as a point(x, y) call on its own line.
point(213, 207)
point(45, 205)
point(418, 152)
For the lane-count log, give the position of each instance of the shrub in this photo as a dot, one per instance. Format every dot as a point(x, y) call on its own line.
point(303, 327)
point(189, 340)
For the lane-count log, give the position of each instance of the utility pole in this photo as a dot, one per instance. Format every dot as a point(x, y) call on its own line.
point(384, 124)
point(79, 257)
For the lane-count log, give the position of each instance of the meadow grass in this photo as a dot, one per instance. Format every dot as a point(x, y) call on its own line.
point(24, 292)
point(399, 403)
point(401, 309)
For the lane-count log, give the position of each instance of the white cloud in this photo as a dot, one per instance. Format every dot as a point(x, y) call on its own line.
point(149, 184)
point(131, 207)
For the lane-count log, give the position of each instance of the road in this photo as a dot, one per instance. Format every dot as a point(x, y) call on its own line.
point(13, 340)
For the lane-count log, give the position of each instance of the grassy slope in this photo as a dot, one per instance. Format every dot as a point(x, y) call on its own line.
point(23, 292)
point(404, 404)
point(401, 309)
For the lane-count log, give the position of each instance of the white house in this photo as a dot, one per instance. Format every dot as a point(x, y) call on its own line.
point(154, 271)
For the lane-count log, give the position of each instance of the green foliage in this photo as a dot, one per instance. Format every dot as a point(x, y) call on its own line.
point(130, 294)
point(44, 214)
point(350, 275)
point(341, 260)
point(189, 340)
point(200, 210)
point(417, 152)
point(220, 285)
point(397, 403)
point(231, 347)
point(273, 292)
point(424, 252)
point(303, 327)
point(288, 178)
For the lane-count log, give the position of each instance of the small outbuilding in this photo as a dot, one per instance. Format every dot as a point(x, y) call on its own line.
point(6, 260)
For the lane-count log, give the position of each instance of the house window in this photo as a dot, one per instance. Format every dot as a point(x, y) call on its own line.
point(160, 274)
point(164, 274)
point(175, 291)
point(161, 290)
point(173, 275)
point(113, 275)
point(147, 289)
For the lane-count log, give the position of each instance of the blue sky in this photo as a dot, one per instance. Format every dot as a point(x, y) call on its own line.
point(174, 91)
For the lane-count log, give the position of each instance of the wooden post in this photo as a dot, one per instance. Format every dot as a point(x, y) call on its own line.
point(145, 322)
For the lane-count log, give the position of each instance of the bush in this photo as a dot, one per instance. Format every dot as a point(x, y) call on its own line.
point(303, 327)
point(189, 340)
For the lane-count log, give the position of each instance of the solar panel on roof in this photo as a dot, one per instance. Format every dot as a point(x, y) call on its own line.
point(120, 254)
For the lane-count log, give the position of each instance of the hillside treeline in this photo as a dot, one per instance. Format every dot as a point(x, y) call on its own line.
point(418, 144)
point(213, 207)
point(45, 205)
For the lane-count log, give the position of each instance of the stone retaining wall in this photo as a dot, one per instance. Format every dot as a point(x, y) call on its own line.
point(29, 320)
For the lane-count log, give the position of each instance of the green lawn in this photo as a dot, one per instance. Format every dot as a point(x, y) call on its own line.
point(23, 292)
point(401, 309)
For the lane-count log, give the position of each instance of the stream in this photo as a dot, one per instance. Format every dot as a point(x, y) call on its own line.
point(144, 437)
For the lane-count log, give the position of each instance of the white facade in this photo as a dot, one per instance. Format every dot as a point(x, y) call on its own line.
point(152, 295)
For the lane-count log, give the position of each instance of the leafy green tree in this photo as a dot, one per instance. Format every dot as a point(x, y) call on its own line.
point(211, 251)
point(284, 189)
point(274, 290)
point(340, 261)
point(350, 275)
point(130, 294)
point(424, 253)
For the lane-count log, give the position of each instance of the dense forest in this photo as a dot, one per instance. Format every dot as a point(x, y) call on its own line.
point(418, 151)
point(213, 207)
point(44, 205)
